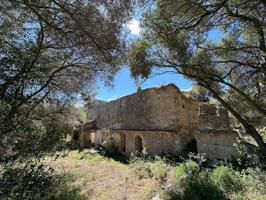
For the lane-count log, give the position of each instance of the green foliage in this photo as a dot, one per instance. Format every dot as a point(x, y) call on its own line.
point(149, 191)
point(202, 189)
point(189, 167)
point(194, 181)
point(33, 181)
point(54, 134)
point(197, 186)
point(198, 93)
point(149, 167)
point(26, 181)
point(248, 155)
point(138, 55)
point(141, 167)
point(177, 37)
point(108, 146)
point(227, 179)
point(45, 66)
point(65, 192)
point(254, 180)
point(159, 168)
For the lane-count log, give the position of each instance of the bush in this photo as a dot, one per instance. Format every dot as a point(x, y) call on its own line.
point(65, 192)
point(193, 182)
point(189, 167)
point(26, 181)
point(32, 181)
point(254, 180)
point(159, 168)
point(141, 167)
point(227, 179)
point(147, 167)
point(108, 146)
point(201, 188)
point(195, 187)
point(248, 156)
point(52, 134)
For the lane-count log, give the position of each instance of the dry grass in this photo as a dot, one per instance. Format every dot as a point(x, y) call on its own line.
point(103, 178)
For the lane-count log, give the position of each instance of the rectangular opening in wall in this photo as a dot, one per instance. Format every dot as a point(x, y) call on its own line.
point(123, 142)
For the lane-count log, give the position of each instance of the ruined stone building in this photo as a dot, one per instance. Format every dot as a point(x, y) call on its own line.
point(160, 121)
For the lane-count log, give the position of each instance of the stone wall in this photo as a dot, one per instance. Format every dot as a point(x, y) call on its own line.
point(212, 117)
point(165, 120)
point(160, 109)
point(154, 142)
point(217, 144)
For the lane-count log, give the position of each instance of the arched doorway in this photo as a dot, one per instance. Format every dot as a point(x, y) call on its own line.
point(138, 144)
point(191, 147)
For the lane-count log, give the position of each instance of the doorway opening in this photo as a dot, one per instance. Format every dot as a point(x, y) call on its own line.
point(123, 142)
point(191, 147)
point(138, 144)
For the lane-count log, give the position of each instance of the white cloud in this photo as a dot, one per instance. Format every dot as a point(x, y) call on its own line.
point(133, 26)
point(111, 99)
point(188, 89)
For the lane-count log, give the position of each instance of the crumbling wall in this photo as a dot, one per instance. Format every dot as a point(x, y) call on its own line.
point(164, 108)
point(215, 136)
point(212, 117)
point(165, 120)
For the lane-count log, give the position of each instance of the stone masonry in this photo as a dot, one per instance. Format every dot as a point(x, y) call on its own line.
point(160, 120)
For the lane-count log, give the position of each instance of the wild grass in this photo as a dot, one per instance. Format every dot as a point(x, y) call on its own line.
point(90, 175)
point(98, 177)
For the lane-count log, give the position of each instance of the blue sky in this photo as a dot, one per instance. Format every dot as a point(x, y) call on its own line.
point(124, 84)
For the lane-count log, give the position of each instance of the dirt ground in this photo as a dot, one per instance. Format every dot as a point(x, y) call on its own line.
point(104, 178)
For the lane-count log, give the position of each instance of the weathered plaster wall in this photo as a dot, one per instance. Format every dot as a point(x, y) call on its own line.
point(164, 108)
point(217, 144)
point(154, 142)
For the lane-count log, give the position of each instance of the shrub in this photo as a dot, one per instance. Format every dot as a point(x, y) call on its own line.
point(248, 155)
point(195, 187)
point(159, 168)
point(108, 145)
point(31, 181)
point(193, 182)
point(254, 180)
point(189, 167)
point(147, 167)
point(200, 159)
point(26, 181)
point(227, 179)
point(141, 167)
point(65, 192)
point(201, 188)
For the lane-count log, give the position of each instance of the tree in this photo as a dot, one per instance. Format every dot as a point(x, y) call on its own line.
point(51, 50)
point(198, 93)
point(176, 37)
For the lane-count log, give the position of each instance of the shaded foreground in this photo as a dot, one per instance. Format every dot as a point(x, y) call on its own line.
point(101, 178)
point(97, 177)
